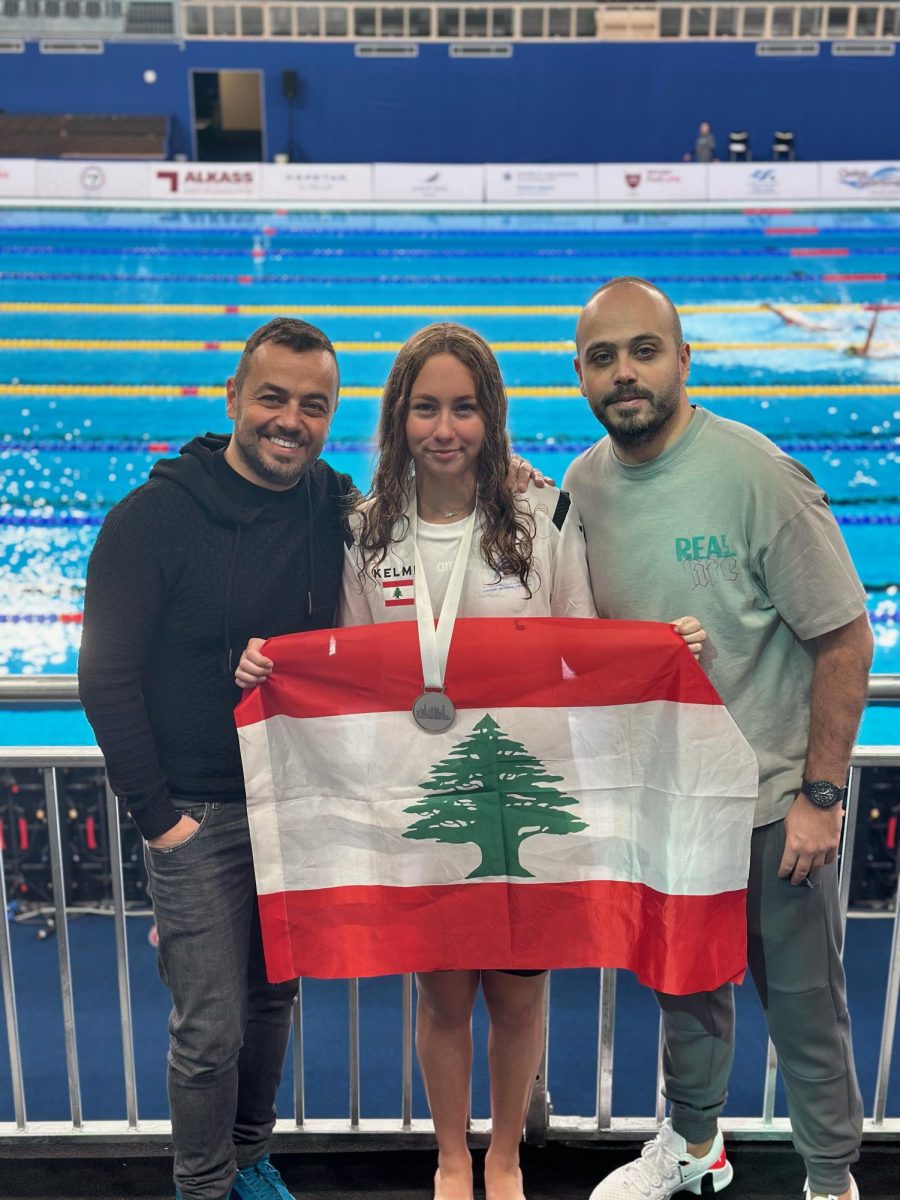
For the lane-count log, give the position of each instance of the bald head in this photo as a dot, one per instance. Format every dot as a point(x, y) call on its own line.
point(633, 364)
point(629, 282)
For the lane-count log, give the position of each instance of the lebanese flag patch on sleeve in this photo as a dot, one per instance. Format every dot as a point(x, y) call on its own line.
point(591, 805)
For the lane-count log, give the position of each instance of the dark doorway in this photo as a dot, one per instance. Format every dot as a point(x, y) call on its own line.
point(227, 116)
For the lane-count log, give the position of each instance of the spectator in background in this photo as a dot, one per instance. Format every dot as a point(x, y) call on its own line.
point(704, 146)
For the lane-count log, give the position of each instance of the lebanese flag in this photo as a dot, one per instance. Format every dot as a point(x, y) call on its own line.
point(591, 805)
point(398, 592)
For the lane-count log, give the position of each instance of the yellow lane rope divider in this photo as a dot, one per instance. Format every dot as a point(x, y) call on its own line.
point(374, 347)
point(374, 393)
point(368, 310)
point(236, 347)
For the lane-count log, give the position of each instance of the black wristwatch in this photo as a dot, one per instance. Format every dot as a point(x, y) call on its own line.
point(822, 793)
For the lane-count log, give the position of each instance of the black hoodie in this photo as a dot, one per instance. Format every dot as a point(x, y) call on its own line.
point(185, 569)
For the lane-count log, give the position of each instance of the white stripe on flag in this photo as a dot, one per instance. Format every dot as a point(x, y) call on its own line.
point(666, 789)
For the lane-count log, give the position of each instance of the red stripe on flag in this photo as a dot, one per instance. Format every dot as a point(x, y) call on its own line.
point(395, 583)
point(394, 603)
point(338, 933)
point(494, 662)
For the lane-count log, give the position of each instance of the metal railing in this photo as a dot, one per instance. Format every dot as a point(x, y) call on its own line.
point(418, 21)
point(402, 1130)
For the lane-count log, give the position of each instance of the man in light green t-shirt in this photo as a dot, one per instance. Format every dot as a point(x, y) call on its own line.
point(681, 507)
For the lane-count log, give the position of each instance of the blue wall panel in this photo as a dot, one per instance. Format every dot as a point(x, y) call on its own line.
point(565, 103)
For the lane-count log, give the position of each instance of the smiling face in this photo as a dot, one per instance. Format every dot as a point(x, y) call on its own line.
point(444, 423)
point(632, 366)
point(281, 414)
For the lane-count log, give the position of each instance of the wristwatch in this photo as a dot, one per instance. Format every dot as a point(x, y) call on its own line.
point(822, 793)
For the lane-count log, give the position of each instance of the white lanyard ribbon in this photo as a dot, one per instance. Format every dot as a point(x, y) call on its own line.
point(434, 643)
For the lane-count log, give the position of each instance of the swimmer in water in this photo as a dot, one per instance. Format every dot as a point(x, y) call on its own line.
point(868, 350)
point(793, 316)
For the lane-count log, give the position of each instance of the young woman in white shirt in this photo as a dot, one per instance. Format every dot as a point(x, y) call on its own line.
point(443, 459)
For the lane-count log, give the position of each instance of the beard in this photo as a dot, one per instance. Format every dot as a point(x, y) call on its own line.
point(637, 426)
point(271, 470)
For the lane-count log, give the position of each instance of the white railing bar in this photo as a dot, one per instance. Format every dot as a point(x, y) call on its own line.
point(353, 1046)
point(606, 1032)
point(326, 1133)
point(9, 1008)
point(883, 688)
point(57, 874)
point(297, 1058)
point(406, 1054)
point(122, 971)
point(660, 1076)
point(890, 1020)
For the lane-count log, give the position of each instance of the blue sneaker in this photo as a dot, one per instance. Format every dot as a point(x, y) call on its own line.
point(259, 1182)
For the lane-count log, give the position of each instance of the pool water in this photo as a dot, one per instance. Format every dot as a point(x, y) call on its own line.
point(119, 329)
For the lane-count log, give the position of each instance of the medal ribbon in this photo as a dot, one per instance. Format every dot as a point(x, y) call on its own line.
point(434, 643)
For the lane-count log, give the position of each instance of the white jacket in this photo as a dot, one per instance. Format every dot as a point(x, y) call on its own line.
point(559, 580)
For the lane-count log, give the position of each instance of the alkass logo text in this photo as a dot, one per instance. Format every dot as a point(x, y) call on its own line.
point(201, 180)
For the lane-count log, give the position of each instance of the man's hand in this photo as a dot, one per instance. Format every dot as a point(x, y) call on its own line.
point(693, 633)
point(254, 667)
point(812, 837)
point(176, 835)
point(522, 473)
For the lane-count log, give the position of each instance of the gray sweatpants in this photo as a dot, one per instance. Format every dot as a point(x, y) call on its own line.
point(794, 945)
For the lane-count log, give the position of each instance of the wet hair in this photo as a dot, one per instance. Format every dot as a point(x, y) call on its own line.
point(508, 529)
point(298, 336)
point(636, 280)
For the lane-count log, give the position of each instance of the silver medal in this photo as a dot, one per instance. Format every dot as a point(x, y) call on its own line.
point(433, 711)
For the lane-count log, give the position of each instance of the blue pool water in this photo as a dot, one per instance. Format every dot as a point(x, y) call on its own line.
point(119, 328)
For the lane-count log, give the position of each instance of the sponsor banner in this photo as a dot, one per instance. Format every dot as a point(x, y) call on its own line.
point(651, 181)
point(860, 181)
point(763, 181)
point(86, 180)
point(431, 183)
point(316, 181)
point(205, 181)
point(537, 182)
point(18, 176)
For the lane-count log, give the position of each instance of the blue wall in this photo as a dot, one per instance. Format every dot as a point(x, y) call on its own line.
point(564, 103)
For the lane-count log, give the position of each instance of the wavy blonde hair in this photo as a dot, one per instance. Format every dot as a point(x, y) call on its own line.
point(508, 529)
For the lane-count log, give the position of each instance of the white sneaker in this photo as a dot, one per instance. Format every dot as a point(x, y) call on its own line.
point(854, 1191)
point(664, 1168)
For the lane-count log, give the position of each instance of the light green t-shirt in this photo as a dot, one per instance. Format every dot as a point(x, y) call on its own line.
point(725, 527)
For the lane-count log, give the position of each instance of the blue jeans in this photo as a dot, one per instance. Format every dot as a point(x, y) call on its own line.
point(229, 1028)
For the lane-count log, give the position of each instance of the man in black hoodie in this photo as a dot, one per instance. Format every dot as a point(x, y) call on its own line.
point(238, 536)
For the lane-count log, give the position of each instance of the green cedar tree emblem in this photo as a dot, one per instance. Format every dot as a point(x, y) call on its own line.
point(397, 593)
point(489, 790)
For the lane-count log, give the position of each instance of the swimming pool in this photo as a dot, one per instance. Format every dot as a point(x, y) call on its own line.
point(119, 329)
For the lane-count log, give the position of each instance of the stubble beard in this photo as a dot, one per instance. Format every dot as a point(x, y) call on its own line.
point(637, 428)
point(281, 475)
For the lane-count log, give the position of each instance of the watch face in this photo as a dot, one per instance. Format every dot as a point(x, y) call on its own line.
point(822, 793)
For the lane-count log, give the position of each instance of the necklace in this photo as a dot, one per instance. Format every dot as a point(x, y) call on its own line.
point(452, 513)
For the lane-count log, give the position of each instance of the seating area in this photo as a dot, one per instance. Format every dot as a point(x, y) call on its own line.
point(68, 135)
